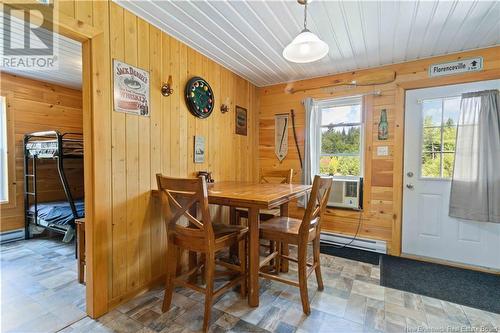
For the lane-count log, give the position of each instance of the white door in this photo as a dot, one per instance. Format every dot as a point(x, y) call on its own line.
point(431, 116)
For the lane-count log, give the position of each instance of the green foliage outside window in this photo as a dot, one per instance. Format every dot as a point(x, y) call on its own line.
point(344, 143)
point(339, 165)
point(435, 150)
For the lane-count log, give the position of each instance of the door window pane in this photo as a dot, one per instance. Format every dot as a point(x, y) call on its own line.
point(449, 138)
point(448, 161)
point(431, 139)
point(432, 112)
point(439, 131)
point(431, 165)
point(451, 111)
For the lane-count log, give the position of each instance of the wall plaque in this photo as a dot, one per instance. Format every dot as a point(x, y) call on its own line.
point(199, 149)
point(130, 89)
point(281, 136)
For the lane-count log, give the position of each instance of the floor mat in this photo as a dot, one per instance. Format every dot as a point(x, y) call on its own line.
point(471, 288)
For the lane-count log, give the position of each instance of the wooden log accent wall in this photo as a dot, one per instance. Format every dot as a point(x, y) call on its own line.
point(381, 218)
point(38, 106)
point(126, 241)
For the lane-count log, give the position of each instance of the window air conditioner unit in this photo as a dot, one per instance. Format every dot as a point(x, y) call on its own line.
point(347, 192)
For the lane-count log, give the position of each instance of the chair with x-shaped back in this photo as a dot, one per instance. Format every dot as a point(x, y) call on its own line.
point(276, 176)
point(287, 230)
point(182, 199)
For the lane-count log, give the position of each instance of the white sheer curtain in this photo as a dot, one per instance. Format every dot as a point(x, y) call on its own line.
point(312, 140)
point(475, 187)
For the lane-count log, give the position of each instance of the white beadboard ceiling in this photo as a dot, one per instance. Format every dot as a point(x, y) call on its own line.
point(68, 52)
point(248, 36)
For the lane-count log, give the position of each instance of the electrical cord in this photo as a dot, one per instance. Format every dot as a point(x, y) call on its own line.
point(353, 239)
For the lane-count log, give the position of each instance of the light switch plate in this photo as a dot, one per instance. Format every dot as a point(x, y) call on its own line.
point(382, 151)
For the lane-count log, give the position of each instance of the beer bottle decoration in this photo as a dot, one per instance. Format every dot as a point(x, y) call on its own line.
point(383, 126)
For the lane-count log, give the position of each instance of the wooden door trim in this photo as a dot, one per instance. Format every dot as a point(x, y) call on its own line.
point(11, 154)
point(97, 235)
point(65, 25)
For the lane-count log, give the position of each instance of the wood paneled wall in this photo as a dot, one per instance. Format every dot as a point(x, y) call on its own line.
point(126, 236)
point(381, 218)
point(38, 106)
point(142, 147)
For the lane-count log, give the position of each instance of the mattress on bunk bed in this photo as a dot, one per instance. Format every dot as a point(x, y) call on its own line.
point(48, 148)
point(58, 212)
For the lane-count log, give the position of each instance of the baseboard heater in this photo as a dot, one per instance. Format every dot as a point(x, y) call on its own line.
point(366, 244)
point(11, 236)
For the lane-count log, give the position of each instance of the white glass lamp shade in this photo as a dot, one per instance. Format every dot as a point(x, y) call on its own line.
point(306, 47)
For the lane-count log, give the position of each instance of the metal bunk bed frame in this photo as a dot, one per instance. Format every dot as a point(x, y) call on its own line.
point(31, 191)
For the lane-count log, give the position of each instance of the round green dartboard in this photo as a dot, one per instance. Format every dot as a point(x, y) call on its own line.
point(199, 97)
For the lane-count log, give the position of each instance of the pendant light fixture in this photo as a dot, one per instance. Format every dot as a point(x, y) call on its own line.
point(306, 47)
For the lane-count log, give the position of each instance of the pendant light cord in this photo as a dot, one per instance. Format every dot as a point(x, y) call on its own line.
point(305, 15)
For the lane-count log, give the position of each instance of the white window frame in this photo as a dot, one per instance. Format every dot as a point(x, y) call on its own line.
point(4, 158)
point(338, 102)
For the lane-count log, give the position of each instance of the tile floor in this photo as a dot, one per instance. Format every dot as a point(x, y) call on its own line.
point(39, 289)
point(353, 301)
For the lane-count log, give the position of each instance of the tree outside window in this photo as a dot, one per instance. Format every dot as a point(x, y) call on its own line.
point(341, 138)
point(439, 131)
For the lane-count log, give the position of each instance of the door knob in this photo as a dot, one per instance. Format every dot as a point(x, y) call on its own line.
point(410, 186)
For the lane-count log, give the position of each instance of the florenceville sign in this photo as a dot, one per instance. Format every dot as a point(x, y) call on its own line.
point(456, 67)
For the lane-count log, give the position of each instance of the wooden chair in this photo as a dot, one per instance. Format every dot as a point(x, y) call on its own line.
point(183, 198)
point(272, 176)
point(287, 230)
point(268, 176)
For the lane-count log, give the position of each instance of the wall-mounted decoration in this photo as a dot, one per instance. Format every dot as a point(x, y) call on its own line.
point(281, 135)
point(166, 88)
point(199, 149)
point(130, 89)
point(456, 67)
point(241, 120)
point(383, 126)
point(224, 107)
point(377, 78)
point(199, 97)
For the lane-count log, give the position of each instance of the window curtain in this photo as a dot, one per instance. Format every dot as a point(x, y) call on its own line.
point(475, 187)
point(311, 143)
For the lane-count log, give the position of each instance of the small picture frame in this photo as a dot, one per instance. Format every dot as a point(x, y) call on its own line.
point(240, 120)
point(199, 149)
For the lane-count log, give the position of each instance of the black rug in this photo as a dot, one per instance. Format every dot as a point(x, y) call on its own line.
point(350, 253)
point(471, 288)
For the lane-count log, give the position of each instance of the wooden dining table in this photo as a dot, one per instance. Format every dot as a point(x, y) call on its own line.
point(254, 197)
